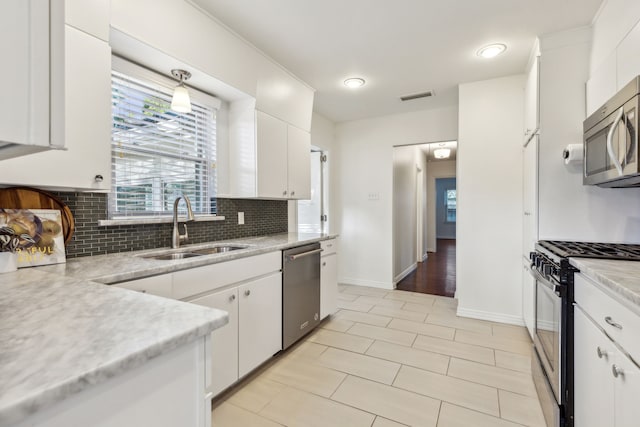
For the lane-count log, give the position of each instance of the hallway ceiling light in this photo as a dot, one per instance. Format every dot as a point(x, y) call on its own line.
point(354, 82)
point(441, 153)
point(492, 50)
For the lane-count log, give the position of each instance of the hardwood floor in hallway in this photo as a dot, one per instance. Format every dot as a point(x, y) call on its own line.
point(436, 275)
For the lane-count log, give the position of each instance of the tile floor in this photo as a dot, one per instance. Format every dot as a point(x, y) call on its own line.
point(392, 358)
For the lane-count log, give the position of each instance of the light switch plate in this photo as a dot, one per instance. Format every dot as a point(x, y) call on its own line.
point(240, 218)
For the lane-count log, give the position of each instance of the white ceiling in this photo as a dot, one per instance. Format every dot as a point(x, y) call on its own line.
point(400, 47)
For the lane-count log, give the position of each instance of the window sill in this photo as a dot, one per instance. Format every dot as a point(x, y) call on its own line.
point(154, 220)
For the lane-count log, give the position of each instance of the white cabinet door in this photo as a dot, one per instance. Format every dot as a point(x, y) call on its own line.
point(594, 392)
point(87, 124)
point(627, 391)
point(260, 328)
point(299, 163)
point(271, 143)
point(528, 296)
point(531, 99)
point(530, 197)
point(224, 340)
point(328, 285)
point(161, 285)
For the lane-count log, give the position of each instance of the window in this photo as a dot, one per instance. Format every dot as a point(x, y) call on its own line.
point(450, 204)
point(156, 153)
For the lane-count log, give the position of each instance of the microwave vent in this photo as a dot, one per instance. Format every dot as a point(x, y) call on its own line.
point(426, 94)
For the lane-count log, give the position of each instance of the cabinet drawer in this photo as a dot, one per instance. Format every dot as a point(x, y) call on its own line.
point(195, 281)
point(329, 247)
point(605, 310)
point(156, 285)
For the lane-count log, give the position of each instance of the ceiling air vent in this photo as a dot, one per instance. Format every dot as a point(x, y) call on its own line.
point(417, 96)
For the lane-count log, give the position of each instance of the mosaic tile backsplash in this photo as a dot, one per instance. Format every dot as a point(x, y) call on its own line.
point(261, 217)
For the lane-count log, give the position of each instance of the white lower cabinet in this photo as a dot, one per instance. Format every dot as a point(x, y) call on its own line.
point(528, 296)
point(254, 331)
point(607, 382)
point(260, 323)
point(224, 341)
point(328, 285)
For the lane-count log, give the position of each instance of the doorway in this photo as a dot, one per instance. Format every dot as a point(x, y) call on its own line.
point(312, 214)
point(435, 207)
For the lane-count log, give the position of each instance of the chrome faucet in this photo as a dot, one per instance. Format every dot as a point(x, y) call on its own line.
point(176, 237)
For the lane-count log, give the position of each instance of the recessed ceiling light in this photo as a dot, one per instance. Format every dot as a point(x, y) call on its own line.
point(491, 50)
point(354, 82)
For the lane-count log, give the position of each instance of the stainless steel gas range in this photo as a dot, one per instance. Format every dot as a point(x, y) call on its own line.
point(552, 362)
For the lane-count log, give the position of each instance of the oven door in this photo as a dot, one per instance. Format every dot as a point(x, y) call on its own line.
point(548, 330)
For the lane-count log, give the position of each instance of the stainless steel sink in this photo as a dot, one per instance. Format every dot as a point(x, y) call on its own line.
point(171, 256)
point(217, 250)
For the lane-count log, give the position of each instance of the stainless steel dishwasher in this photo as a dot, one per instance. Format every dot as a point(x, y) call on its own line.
point(300, 292)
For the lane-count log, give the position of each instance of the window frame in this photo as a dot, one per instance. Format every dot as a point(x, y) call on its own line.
point(153, 78)
point(446, 206)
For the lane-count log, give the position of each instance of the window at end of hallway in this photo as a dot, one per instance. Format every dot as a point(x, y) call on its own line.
point(450, 203)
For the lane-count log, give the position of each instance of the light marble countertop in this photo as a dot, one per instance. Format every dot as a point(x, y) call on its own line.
point(62, 331)
point(621, 277)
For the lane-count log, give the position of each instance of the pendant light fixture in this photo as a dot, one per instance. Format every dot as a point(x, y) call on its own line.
point(181, 101)
point(441, 153)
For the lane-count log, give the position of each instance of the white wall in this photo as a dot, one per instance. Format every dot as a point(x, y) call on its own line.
point(405, 163)
point(490, 199)
point(365, 165)
point(435, 169)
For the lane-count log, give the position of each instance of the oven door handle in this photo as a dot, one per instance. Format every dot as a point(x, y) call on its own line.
point(550, 283)
point(612, 130)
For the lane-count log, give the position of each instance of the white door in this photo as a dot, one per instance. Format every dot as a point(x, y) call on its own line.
point(260, 328)
point(594, 395)
point(310, 212)
point(224, 340)
point(627, 391)
point(328, 285)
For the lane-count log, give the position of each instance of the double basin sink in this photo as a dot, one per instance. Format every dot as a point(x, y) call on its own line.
point(173, 255)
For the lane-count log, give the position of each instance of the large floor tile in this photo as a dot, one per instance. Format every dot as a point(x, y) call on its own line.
point(389, 402)
point(511, 332)
point(411, 297)
point(305, 376)
point(398, 313)
point(453, 321)
point(304, 350)
point(363, 290)
point(422, 328)
point(360, 365)
point(445, 302)
point(295, 408)
point(347, 297)
point(228, 415)
point(384, 334)
point(379, 301)
point(256, 394)
point(453, 390)
point(383, 422)
point(455, 349)
point(521, 409)
point(410, 356)
point(354, 305)
point(505, 379)
point(426, 308)
point(337, 324)
point(340, 340)
point(457, 416)
point(513, 361)
point(504, 344)
point(369, 319)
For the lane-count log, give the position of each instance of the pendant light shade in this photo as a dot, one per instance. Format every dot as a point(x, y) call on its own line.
point(181, 102)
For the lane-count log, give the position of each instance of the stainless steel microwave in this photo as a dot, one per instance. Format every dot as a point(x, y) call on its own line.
point(611, 141)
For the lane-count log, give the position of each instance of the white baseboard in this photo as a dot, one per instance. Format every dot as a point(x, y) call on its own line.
point(405, 273)
point(431, 249)
point(493, 317)
point(369, 283)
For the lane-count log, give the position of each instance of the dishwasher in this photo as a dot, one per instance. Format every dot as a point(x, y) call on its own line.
point(300, 292)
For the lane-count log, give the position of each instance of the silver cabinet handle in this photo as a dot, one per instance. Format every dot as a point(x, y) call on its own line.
point(610, 321)
point(617, 371)
point(324, 264)
point(330, 245)
point(293, 193)
point(284, 193)
point(602, 353)
point(232, 298)
point(143, 291)
point(247, 292)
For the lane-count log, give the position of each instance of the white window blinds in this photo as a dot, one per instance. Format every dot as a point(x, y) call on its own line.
point(158, 154)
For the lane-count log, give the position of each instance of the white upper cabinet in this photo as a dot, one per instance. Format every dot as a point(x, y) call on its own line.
point(532, 97)
point(298, 163)
point(32, 46)
point(85, 163)
point(90, 16)
point(271, 162)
